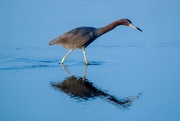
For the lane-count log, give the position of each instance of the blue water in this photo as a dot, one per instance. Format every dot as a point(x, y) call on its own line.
point(132, 75)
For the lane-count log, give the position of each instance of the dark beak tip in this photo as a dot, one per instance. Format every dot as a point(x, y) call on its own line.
point(139, 29)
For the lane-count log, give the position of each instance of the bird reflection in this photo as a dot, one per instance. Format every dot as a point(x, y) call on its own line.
point(82, 89)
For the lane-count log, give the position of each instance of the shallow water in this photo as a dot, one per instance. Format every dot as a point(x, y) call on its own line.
point(131, 76)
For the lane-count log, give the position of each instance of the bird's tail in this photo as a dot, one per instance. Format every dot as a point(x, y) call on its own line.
point(52, 42)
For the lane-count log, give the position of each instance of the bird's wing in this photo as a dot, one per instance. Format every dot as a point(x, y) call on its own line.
point(76, 38)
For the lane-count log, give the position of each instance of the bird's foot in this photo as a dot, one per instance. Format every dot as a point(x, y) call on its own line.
point(87, 63)
point(63, 60)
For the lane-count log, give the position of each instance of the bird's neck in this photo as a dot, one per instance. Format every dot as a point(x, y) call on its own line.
point(109, 27)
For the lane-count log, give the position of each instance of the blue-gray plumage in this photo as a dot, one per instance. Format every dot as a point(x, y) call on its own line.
point(76, 38)
point(83, 36)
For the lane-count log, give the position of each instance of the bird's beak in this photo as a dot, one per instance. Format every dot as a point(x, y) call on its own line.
point(132, 26)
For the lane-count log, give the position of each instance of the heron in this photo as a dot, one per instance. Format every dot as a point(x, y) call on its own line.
point(81, 37)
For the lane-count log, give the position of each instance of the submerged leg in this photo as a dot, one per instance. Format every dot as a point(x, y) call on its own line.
point(84, 52)
point(64, 58)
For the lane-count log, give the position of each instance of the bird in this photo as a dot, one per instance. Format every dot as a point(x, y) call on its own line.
point(81, 37)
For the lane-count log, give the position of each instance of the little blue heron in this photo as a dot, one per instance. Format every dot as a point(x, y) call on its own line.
point(83, 36)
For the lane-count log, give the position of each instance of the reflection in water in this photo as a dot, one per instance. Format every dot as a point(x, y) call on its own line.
point(81, 89)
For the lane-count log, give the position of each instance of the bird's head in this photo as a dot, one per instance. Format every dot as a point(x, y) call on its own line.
point(127, 22)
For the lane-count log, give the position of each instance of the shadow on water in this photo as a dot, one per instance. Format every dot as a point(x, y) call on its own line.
point(82, 89)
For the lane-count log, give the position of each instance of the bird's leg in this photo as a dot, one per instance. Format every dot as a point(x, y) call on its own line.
point(84, 52)
point(64, 58)
point(85, 69)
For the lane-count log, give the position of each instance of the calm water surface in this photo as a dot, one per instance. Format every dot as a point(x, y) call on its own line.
point(131, 76)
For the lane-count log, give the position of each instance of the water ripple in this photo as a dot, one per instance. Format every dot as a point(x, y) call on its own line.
point(10, 63)
point(27, 67)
